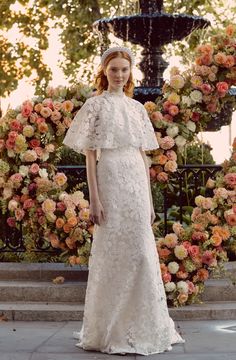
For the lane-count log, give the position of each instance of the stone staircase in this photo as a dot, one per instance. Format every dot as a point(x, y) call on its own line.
point(27, 293)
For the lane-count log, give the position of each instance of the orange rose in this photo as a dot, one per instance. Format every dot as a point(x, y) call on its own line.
point(216, 239)
point(59, 223)
point(67, 228)
point(72, 221)
point(221, 231)
point(202, 274)
point(164, 253)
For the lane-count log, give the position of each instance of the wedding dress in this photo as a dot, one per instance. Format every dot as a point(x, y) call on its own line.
point(125, 305)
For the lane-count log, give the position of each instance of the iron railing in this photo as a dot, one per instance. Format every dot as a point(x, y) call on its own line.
point(189, 180)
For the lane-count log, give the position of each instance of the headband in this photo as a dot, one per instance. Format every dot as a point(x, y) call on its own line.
point(117, 48)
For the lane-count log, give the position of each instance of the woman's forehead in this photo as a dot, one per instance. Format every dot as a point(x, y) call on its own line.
point(118, 62)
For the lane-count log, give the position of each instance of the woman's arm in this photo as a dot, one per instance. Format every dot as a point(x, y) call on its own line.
point(96, 209)
point(149, 185)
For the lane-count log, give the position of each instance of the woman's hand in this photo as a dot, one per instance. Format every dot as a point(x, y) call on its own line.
point(153, 215)
point(96, 212)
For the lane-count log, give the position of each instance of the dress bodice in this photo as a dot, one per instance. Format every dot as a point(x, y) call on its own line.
point(109, 121)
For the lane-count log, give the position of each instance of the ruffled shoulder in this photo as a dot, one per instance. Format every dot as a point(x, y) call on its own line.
point(85, 130)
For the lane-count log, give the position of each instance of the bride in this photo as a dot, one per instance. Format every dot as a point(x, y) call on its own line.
point(125, 305)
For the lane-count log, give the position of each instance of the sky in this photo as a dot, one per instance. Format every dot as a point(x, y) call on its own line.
point(220, 141)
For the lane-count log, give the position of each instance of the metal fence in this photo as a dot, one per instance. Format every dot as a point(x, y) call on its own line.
point(188, 182)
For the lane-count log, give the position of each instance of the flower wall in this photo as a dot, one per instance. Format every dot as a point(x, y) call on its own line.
point(32, 193)
point(191, 100)
point(190, 253)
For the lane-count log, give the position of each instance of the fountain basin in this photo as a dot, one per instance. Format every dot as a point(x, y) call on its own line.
point(151, 29)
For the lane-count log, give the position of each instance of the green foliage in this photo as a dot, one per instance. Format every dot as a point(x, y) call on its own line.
point(198, 153)
point(18, 58)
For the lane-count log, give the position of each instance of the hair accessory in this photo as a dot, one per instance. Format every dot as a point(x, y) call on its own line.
point(117, 48)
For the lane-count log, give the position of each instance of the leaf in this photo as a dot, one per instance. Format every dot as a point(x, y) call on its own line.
point(58, 280)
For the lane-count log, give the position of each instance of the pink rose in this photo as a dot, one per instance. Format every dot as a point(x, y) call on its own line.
point(34, 168)
point(206, 89)
point(11, 221)
point(193, 250)
point(230, 179)
point(222, 87)
point(34, 143)
point(212, 107)
point(15, 125)
point(208, 258)
point(166, 142)
point(171, 155)
point(168, 118)
point(19, 214)
point(17, 177)
point(28, 203)
point(173, 110)
point(166, 277)
point(196, 116)
point(162, 177)
point(10, 144)
point(27, 109)
point(12, 135)
point(61, 206)
point(156, 116)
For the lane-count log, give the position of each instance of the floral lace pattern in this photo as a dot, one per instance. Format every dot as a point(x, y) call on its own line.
point(125, 305)
point(111, 121)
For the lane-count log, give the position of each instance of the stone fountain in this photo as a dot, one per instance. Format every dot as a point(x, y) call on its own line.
point(151, 29)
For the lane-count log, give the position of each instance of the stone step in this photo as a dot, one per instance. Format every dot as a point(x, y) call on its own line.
point(35, 311)
point(219, 290)
point(74, 291)
point(42, 271)
point(48, 271)
point(42, 291)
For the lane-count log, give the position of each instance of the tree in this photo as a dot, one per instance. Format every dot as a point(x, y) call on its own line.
point(33, 18)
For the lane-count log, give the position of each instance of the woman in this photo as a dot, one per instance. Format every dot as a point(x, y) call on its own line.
point(125, 305)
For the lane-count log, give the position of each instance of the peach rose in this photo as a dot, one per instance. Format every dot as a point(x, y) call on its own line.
point(72, 221)
point(60, 223)
point(45, 112)
point(182, 298)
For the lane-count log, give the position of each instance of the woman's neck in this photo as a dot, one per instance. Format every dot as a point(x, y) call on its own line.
point(118, 91)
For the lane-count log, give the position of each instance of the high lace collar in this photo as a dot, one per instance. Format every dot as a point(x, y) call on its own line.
point(114, 94)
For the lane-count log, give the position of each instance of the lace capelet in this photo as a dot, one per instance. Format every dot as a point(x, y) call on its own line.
point(111, 121)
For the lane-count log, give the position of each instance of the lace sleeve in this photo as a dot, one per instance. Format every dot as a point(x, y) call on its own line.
point(149, 141)
point(84, 132)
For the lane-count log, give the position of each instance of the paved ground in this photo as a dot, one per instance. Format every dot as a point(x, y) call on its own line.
point(205, 340)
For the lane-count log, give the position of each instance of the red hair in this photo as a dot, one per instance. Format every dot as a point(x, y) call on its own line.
point(101, 82)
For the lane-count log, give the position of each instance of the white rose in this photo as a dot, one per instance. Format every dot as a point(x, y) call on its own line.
point(21, 118)
point(43, 173)
point(170, 286)
point(63, 196)
point(172, 131)
point(10, 153)
point(196, 96)
point(180, 141)
point(186, 100)
point(23, 170)
point(25, 191)
point(191, 126)
point(173, 267)
point(182, 286)
point(41, 198)
point(12, 205)
point(45, 156)
point(51, 217)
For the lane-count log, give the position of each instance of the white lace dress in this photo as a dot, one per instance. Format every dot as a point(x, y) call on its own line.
point(125, 305)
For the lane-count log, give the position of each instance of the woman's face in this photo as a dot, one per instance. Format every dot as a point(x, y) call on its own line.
point(117, 73)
